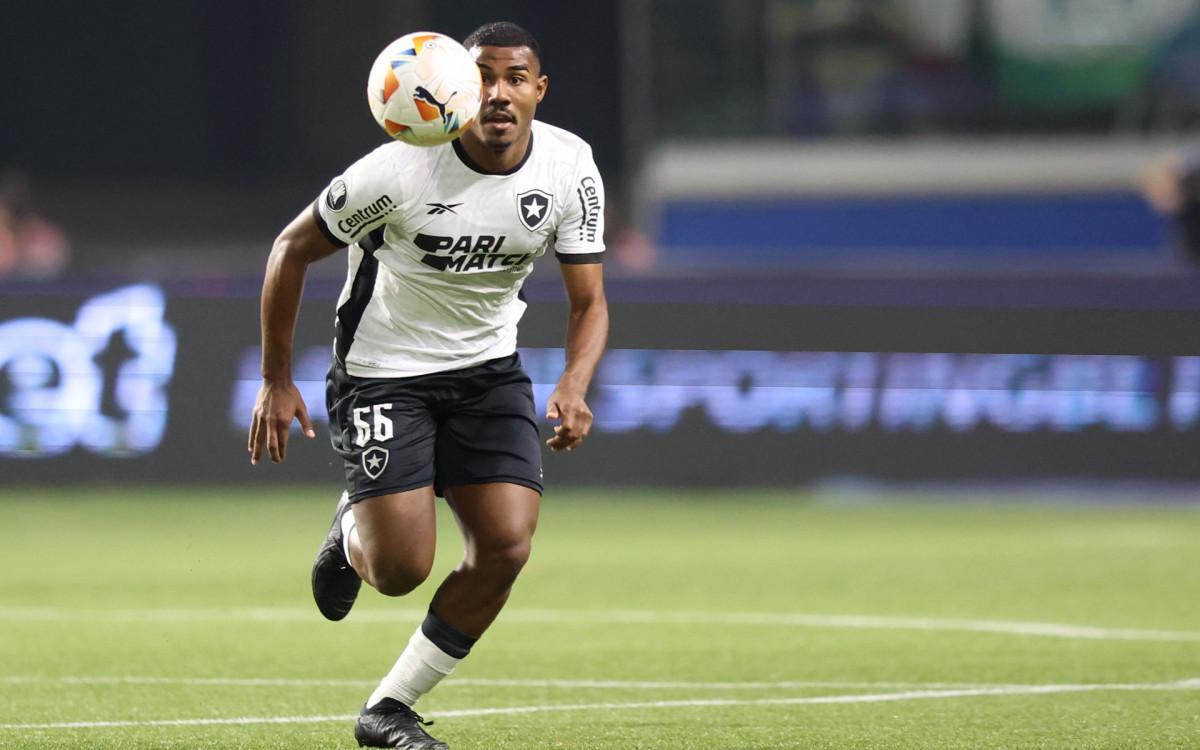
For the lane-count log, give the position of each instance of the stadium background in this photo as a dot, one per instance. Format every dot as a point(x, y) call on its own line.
point(896, 240)
point(896, 437)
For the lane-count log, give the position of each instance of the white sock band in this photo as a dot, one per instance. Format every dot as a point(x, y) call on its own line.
point(416, 672)
point(349, 527)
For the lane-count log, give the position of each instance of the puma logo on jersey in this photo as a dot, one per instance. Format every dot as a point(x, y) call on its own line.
point(468, 253)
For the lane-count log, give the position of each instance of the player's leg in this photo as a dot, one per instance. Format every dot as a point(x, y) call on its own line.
point(388, 541)
point(391, 540)
point(488, 453)
point(383, 529)
point(489, 460)
point(488, 465)
point(497, 521)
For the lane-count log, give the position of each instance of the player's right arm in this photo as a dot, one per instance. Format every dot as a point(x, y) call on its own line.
point(279, 402)
point(363, 198)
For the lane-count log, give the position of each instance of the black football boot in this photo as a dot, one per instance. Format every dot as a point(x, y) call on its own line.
point(334, 583)
point(390, 723)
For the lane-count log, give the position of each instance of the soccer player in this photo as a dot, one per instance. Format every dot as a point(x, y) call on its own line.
point(426, 396)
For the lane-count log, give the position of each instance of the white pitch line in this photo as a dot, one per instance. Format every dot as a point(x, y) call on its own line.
point(829, 699)
point(191, 681)
point(486, 682)
point(767, 619)
point(1007, 627)
point(183, 722)
point(686, 685)
point(1004, 690)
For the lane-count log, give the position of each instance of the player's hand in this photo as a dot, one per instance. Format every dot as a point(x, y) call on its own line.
point(575, 419)
point(275, 407)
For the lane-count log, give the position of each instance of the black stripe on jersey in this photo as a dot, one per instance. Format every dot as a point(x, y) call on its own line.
point(579, 258)
point(466, 159)
point(349, 315)
point(325, 227)
point(372, 241)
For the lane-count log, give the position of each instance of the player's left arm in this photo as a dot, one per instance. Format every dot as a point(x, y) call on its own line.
point(587, 332)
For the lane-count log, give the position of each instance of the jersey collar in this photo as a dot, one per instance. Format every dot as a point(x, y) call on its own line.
point(466, 159)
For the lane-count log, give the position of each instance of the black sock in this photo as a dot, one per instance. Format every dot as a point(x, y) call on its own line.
point(453, 642)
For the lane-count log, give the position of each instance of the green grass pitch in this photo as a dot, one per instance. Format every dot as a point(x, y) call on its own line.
point(156, 618)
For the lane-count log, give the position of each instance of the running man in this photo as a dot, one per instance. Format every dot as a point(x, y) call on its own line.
point(426, 395)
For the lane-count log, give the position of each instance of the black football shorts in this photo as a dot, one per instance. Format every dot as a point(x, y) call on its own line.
point(470, 426)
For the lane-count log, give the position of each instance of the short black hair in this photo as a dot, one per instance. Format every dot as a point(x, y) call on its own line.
point(503, 34)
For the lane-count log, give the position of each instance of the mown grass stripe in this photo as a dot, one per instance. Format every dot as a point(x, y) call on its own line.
point(1002, 690)
point(772, 619)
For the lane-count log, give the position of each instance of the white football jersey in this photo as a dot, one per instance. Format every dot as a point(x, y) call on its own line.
point(439, 249)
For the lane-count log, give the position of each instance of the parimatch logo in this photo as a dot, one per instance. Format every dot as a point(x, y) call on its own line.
point(468, 253)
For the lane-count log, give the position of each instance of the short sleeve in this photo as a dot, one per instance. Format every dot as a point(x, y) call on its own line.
point(361, 199)
point(580, 236)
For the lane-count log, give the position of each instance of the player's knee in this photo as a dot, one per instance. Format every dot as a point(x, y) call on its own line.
point(397, 582)
point(392, 578)
point(505, 559)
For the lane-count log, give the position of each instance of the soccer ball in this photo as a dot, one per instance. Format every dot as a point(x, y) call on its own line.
point(424, 89)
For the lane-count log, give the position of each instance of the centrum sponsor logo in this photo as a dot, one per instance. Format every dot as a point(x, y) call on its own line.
point(360, 219)
point(589, 201)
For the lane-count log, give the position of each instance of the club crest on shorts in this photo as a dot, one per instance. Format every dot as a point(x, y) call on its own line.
point(374, 461)
point(533, 207)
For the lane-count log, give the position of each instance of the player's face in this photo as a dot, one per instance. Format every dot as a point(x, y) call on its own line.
point(513, 85)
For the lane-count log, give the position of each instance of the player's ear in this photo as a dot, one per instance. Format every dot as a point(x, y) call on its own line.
point(543, 82)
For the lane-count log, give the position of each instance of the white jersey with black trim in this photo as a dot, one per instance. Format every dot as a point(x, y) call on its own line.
point(439, 249)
